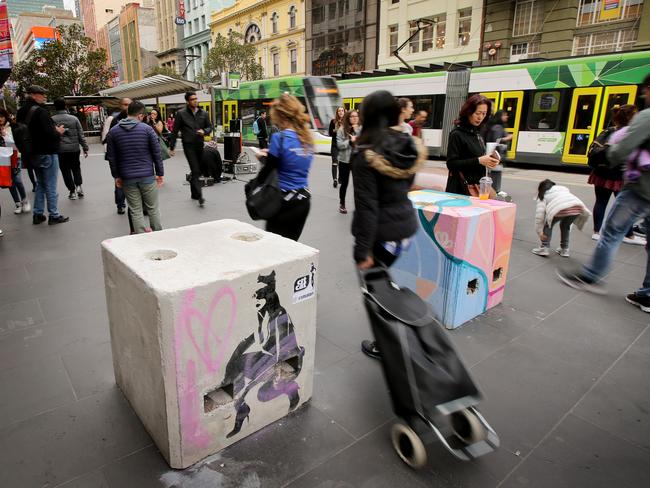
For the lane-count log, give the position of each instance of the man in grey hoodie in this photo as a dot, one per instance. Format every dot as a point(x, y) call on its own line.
point(69, 154)
point(631, 204)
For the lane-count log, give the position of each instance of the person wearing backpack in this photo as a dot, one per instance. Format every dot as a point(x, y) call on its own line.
point(606, 180)
point(260, 130)
point(40, 144)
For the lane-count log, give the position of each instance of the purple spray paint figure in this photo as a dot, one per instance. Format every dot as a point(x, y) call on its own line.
point(278, 363)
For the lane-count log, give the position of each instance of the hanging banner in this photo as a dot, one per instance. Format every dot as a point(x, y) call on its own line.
point(6, 53)
point(180, 18)
point(610, 9)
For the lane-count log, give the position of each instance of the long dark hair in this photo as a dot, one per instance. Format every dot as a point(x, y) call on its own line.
point(379, 111)
point(347, 125)
point(621, 116)
point(543, 187)
point(470, 107)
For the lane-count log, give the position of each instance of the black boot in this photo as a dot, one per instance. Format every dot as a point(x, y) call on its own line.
point(243, 411)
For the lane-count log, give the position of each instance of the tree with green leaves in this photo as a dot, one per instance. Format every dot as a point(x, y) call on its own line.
point(163, 70)
point(68, 65)
point(231, 55)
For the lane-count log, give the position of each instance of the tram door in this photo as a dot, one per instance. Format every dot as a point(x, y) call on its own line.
point(614, 96)
point(208, 108)
point(583, 121)
point(163, 112)
point(494, 97)
point(229, 113)
point(352, 103)
point(511, 103)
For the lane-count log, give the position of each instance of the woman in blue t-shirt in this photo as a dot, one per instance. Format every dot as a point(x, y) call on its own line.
point(291, 152)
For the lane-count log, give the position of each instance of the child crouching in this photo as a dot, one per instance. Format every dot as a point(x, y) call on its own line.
point(556, 204)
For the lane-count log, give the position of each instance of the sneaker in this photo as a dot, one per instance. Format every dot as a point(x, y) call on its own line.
point(563, 252)
point(343, 210)
point(19, 208)
point(640, 301)
point(201, 202)
point(121, 210)
point(59, 219)
point(541, 251)
point(595, 236)
point(335, 183)
point(72, 195)
point(579, 282)
point(26, 206)
point(80, 192)
point(635, 240)
point(369, 348)
point(38, 219)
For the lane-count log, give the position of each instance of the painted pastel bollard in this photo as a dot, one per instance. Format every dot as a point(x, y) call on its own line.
point(458, 260)
point(212, 331)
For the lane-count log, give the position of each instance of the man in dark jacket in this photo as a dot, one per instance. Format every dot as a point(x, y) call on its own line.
point(69, 153)
point(262, 132)
point(631, 204)
point(193, 123)
point(133, 152)
point(112, 121)
point(45, 140)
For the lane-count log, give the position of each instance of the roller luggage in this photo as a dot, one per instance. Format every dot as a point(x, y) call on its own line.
point(430, 388)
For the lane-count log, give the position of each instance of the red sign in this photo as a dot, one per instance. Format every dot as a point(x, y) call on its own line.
point(180, 18)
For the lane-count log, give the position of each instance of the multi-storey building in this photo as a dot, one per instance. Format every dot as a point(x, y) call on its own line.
point(115, 49)
point(138, 40)
point(170, 35)
point(197, 35)
point(275, 27)
point(15, 7)
point(524, 29)
point(341, 36)
point(448, 31)
point(96, 13)
point(30, 30)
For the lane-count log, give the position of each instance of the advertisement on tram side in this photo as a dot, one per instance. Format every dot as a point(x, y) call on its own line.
point(6, 53)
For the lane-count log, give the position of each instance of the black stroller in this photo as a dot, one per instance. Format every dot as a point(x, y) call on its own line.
point(430, 388)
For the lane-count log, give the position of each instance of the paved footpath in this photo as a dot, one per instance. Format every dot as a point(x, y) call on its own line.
point(565, 373)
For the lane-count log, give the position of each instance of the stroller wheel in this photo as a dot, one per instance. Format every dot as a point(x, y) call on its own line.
point(408, 446)
point(467, 427)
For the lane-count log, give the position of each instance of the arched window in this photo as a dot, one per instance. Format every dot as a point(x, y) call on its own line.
point(274, 22)
point(292, 17)
point(253, 34)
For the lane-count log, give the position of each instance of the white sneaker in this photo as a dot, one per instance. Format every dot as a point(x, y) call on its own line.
point(635, 240)
point(595, 236)
point(563, 252)
point(26, 206)
point(541, 251)
point(19, 208)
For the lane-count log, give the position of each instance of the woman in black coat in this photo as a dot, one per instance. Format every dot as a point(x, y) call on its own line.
point(335, 125)
point(466, 158)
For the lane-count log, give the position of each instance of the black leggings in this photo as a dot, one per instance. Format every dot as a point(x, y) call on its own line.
point(602, 199)
point(291, 218)
point(335, 170)
point(344, 179)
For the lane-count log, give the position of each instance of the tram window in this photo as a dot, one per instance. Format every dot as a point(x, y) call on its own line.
point(584, 116)
point(438, 111)
point(545, 110)
point(614, 100)
point(424, 102)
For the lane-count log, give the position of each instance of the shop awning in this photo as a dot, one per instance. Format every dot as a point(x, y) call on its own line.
point(152, 87)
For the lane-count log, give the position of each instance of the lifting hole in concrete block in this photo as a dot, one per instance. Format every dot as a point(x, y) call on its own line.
point(472, 286)
point(246, 236)
point(497, 274)
point(162, 255)
point(218, 397)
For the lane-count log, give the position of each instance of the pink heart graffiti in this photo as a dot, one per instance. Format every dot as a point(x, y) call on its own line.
point(212, 348)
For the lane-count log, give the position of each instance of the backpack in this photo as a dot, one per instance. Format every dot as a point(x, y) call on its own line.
point(256, 127)
point(597, 155)
point(22, 137)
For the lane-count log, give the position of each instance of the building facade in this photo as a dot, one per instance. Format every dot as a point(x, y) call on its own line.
point(275, 27)
point(30, 30)
point(527, 29)
point(15, 7)
point(341, 36)
point(96, 13)
point(171, 53)
point(197, 34)
point(115, 49)
point(450, 31)
point(138, 40)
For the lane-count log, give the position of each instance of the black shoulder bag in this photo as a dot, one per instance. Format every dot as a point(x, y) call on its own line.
point(264, 198)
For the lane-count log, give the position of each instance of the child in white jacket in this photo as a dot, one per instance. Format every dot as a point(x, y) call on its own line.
point(555, 204)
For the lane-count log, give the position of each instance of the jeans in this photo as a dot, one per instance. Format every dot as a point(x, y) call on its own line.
point(627, 209)
point(17, 190)
point(565, 231)
point(194, 155)
point(71, 169)
point(146, 194)
point(602, 199)
point(46, 179)
point(120, 198)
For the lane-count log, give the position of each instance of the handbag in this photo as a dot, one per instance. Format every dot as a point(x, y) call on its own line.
point(264, 198)
point(473, 189)
point(164, 149)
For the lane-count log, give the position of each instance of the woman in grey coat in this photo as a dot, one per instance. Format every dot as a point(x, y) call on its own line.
point(69, 153)
point(346, 138)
